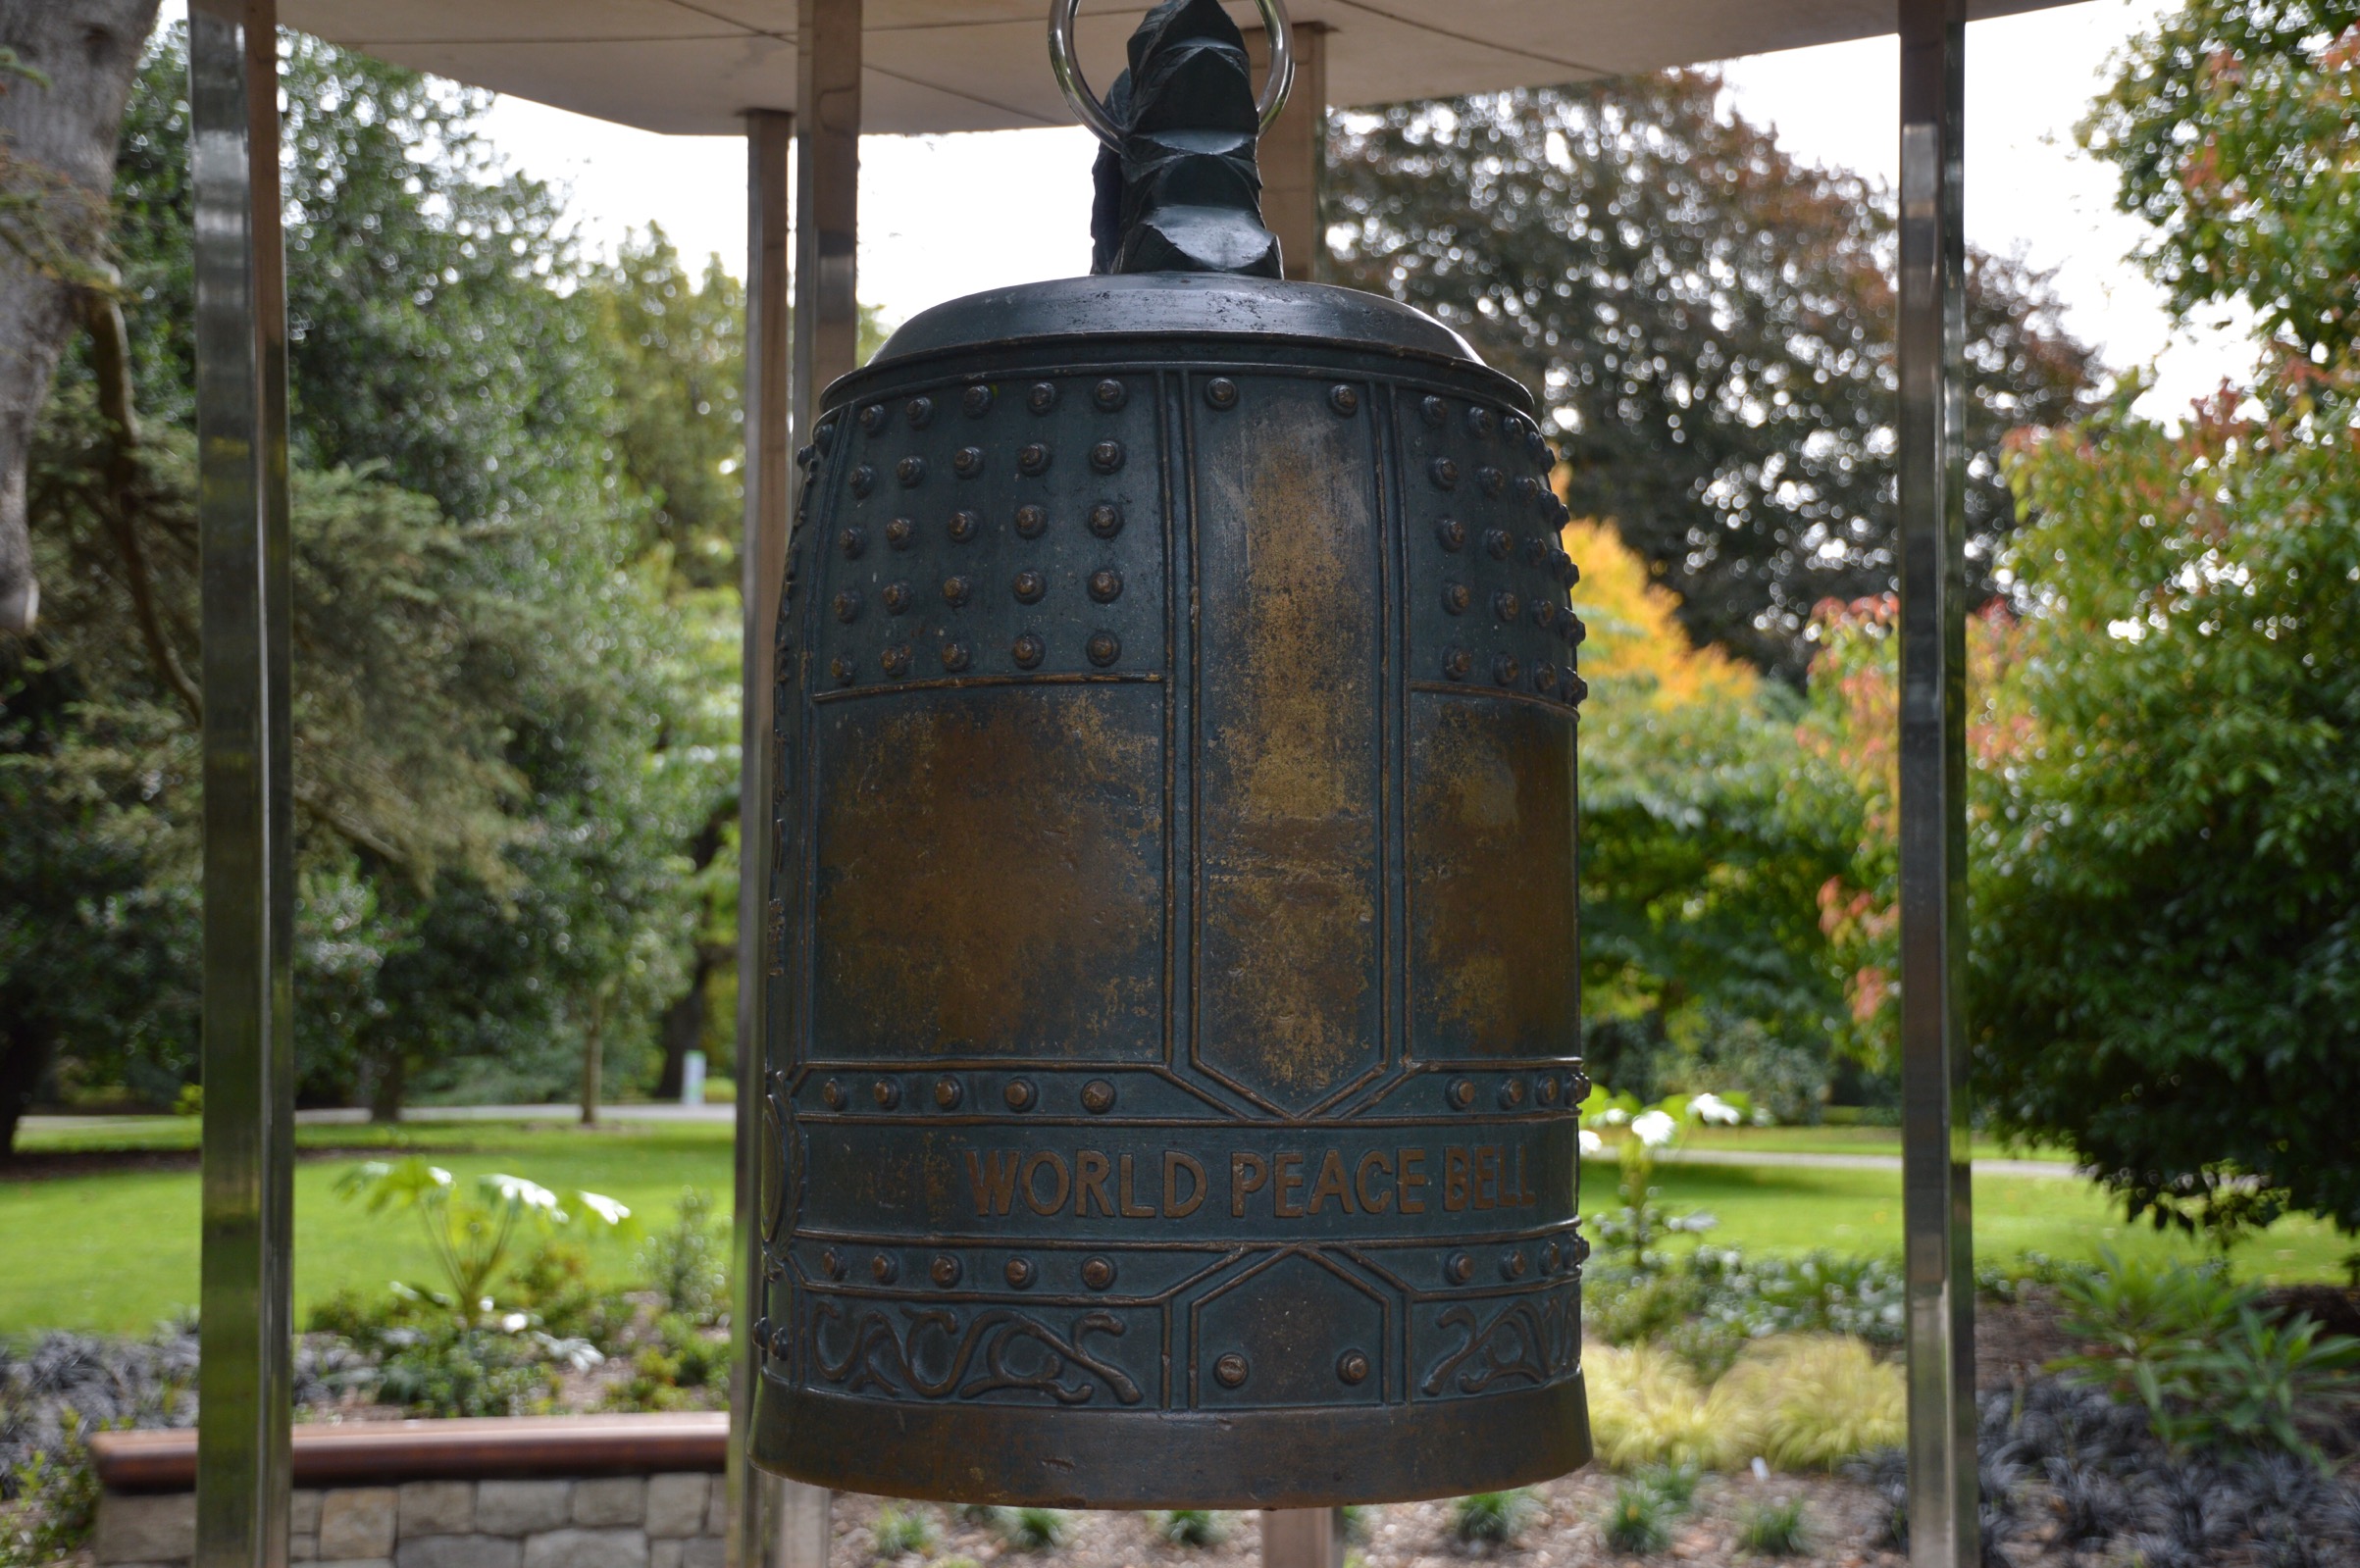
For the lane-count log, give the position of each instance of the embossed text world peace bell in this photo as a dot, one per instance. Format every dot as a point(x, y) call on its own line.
point(1172, 988)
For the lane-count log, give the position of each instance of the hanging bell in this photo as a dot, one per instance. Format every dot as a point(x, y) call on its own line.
point(1173, 992)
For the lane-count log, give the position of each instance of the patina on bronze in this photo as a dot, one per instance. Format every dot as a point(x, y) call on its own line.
point(1173, 1000)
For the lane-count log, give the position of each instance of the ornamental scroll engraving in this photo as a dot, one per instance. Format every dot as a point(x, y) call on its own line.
point(999, 1349)
point(1531, 1340)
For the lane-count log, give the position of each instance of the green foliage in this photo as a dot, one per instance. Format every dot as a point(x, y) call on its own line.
point(1355, 1519)
point(676, 1370)
point(551, 1284)
point(1190, 1527)
point(1709, 320)
point(1638, 1521)
point(683, 1262)
point(1774, 1529)
point(55, 1503)
point(904, 1531)
point(1675, 1483)
point(1799, 1401)
point(1033, 1529)
point(443, 1369)
point(468, 1229)
point(1493, 1518)
point(2234, 126)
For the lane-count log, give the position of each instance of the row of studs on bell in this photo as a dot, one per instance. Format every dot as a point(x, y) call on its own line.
point(1032, 461)
point(1105, 585)
point(965, 524)
point(947, 1271)
point(1097, 1095)
point(1025, 651)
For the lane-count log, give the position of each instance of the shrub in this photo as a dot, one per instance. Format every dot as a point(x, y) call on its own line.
point(1493, 1518)
point(1033, 1529)
point(1355, 1520)
point(552, 1284)
point(669, 1372)
point(1645, 1408)
point(1675, 1484)
point(685, 1262)
point(901, 1533)
point(55, 1494)
point(1638, 1521)
point(1773, 1530)
point(1809, 1402)
point(1190, 1527)
point(451, 1371)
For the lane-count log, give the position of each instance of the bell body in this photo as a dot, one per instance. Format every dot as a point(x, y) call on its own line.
point(1173, 989)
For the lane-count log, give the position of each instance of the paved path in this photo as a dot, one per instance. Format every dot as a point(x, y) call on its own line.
point(2053, 1169)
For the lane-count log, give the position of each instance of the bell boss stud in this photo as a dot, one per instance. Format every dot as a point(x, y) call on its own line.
point(1171, 1079)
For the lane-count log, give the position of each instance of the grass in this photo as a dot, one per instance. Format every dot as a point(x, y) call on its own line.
point(117, 1250)
point(1493, 1518)
point(1774, 1530)
point(1638, 1522)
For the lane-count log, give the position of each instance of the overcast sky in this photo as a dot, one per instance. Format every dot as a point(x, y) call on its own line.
point(935, 211)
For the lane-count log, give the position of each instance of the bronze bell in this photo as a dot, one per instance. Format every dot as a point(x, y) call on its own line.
point(1173, 995)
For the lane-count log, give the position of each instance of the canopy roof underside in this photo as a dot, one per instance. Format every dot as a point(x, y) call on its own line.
point(696, 66)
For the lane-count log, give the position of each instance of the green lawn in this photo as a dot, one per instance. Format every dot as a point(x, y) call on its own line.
point(117, 1250)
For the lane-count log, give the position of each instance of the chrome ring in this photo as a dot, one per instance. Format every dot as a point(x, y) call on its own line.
point(1091, 113)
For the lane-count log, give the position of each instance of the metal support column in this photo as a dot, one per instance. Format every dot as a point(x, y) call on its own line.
point(249, 1196)
point(1292, 152)
point(827, 199)
point(1303, 1538)
point(1937, 1192)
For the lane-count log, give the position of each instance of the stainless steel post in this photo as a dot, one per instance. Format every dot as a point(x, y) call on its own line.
point(249, 1196)
point(1292, 152)
point(768, 134)
point(827, 199)
point(1937, 1192)
point(1303, 1538)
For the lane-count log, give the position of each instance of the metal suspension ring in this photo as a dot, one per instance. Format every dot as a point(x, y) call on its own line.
point(1091, 113)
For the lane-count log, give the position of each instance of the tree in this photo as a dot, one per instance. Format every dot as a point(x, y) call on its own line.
point(1709, 323)
point(66, 67)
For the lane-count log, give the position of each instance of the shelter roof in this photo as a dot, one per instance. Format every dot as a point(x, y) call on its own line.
point(694, 66)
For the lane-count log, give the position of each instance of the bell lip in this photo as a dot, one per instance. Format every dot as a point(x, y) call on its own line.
point(1312, 1457)
point(1206, 307)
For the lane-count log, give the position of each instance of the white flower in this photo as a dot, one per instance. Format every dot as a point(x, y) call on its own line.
point(1614, 1116)
point(516, 1322)
point(524, 1194)
point(606, 1208)
point(1653, 1127)
point(1591, 1143)
point(1713, 1109)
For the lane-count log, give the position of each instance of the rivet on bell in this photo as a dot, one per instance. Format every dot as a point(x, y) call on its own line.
point(1030, 521)
point(886, 1092)
point(1549, 1258)
point(1514, 1264)
point(955, 656)
point(910, 471)
point(848, 606)
point(872, 415)
point(948, 1093)
point(1106, 456)
point(1544, 679)
point(896, 660)
point(1431, 411)
point(831, 1264)
point(943, 1270)
point(1230, 1370)
point(885, 1269)
point(831, 1094)
point(1506, 605)
point(1499, 544)
point(1098, 1273)
point(1444, 471)
point(1546, 1088)
point(1568, 573)
point(1457, 663)
point(1462, 1093)
point(1460, 1269)
point(824, 436)
point(1344, 400)
point(1577, 1249)
point(1480, 421)
point(900, 532)
point(865, 480)
point(1097, 1096)
point(967, 462)
point(1577, 1087)
point(1538, 550)
point(1527, 487)
point(1106, 519)
point(1457, 597)
point(1032, 459)
point(1019, 1272)
point(1027, 650)
point(964, 525)
point(977, 401)
point(1575, 689)
point(1021, 1094)
point(1544, 613)
point(1104, 648)
point(1575, 632)
point(1512, 1093)
point(853, 541)
point(1451, 533)
point(1030, 585)
point(1221, 393)
point(920, 412)
point(1506, 671)
point(956, 591)
point(1110, 395)
point(1352, 1367)
point(1106, 584)
point(894, 596)
point(1042, 397)
point(841, 668)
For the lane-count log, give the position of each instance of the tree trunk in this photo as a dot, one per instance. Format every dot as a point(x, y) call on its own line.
point(684, 1023)
point(594, 1058)
point(26, 1051)
point(57, 158)
point(386, 1085)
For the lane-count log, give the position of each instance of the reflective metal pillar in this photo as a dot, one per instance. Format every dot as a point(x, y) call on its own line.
point(756, 1539)
point(1292, 152)
point(248, 1196)
point(1937, 1201)
point(826, 199)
